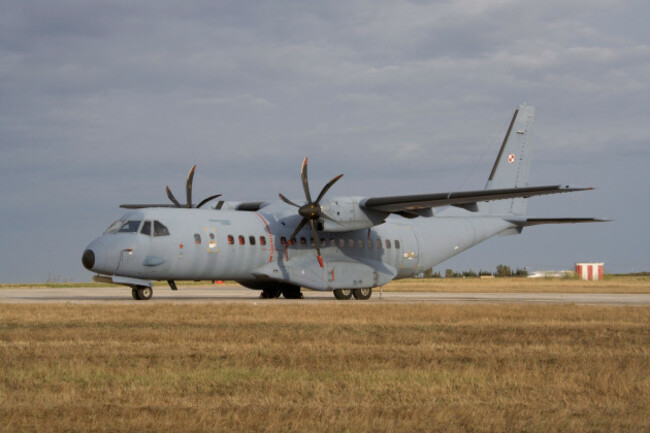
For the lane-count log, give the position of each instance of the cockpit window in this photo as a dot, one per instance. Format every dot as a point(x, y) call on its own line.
point(146, 228)
point(130, 226)
point(159, 229)
point(114, 227)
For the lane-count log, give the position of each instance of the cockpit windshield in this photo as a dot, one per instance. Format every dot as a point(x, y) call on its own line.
point(121, 226)
point(130, 226)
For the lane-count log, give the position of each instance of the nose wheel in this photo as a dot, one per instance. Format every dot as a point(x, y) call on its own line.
point(142, 293)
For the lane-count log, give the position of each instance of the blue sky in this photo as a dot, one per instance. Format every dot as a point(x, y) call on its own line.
point(103, 103)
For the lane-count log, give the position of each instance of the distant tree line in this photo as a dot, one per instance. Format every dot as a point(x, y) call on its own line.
point(501, 271)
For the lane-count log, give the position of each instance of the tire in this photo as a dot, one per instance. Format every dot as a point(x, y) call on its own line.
point(292, 292)
point(134, 294)
point(362, 294)
point(343, 294)
point(144, 293)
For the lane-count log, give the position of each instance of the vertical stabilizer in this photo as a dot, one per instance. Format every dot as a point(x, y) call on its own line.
point(512, 166)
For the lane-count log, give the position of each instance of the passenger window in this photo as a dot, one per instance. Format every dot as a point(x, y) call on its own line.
point(303, 242)
point(323, 242)
point(242, 241)
point(332, 242)
point(197, 239)
point(146, 228)
point(262, 240)
point(231, 240)
point(251, 240)
point(159, 229)
point(379, 244)
point(396, 244)
point(283, 240)
point(360, 243)
point(341, 243)
point(387, 244)
point(371, 244)
point(129, 227)
point(351, 243)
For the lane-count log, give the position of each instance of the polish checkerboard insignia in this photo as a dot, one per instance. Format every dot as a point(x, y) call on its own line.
point(511, 158)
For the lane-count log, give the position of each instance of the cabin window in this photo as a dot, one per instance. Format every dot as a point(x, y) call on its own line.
point(211, 236)
point(342, 243)
point(283, 240)
point(231, 240)
point(303, 242)
point(371, 244)
point(159, 229)
point(323, 242)
point(146, 228)
point(360, 243)
point(397, 244)
point(251, 240)
point(332, 243)
point(197, 239)
point(262, 240)
point(379, 244)
point(129, 227)
point(242, 241)
point(351, 243)
point(387, 244)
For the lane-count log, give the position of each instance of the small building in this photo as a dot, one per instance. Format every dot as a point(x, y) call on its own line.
point(590, 271)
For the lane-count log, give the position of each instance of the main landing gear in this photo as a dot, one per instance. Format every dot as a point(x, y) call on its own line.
point(360, 294)
point(142, 293)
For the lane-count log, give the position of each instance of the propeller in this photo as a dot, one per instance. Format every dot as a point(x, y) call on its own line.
point(188, 192)
point(311, 211)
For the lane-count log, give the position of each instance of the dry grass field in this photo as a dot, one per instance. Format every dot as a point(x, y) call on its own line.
point(341, 367)
point(522, 285)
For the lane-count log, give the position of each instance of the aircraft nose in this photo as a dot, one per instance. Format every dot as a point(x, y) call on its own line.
point(88, 259)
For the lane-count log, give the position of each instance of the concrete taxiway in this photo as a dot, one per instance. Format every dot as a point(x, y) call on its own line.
point(234, 293)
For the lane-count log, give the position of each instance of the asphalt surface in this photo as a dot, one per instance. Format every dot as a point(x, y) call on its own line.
point(233, 293)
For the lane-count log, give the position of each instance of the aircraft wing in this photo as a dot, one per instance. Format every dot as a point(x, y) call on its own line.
point(465, 199)
point(527, 222)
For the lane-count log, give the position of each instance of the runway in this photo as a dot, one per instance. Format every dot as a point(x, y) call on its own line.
point(234, 293)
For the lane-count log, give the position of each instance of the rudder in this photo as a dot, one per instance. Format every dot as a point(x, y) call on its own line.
point(512, 166)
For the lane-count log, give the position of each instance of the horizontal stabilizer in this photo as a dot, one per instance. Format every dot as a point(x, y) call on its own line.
point(413, 202)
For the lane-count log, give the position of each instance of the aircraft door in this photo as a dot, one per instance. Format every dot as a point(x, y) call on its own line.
point(409, 252)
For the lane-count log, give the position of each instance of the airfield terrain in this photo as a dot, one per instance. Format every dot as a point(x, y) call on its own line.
point(233, 364)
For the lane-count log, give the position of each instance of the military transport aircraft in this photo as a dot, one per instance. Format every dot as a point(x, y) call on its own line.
point(347, 245)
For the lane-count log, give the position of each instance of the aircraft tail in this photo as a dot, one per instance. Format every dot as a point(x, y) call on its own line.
point(512, 166)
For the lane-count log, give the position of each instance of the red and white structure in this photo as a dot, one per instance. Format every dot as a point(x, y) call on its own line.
point(590, 271)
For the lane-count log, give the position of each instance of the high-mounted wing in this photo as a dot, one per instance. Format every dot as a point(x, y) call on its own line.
point(465, 199)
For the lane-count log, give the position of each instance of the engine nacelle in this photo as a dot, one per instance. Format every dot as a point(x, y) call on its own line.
point(347, 215)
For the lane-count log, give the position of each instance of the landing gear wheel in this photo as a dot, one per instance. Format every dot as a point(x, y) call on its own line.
point(362, 294)
point(292, 293)
point(144, 293)
point(270, 293)
point(343, 294)
point(134, 294)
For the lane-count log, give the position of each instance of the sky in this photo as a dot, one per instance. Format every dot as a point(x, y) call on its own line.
point(107, 102)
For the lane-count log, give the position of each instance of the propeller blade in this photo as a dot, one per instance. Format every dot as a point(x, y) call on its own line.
point(327, 187)
point(314, 233)
point(287, 201)
point(171, 197)
point(207, 199)
point(296, 231)
point(305, 182)
point(188, 186)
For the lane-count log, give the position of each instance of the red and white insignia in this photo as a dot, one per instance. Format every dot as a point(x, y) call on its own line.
point(511, 158)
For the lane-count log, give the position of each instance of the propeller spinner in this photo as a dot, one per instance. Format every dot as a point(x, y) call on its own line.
point(311, 211)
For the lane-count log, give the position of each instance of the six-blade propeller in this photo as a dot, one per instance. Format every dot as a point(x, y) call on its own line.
point(311, 211)
point(188, 192)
